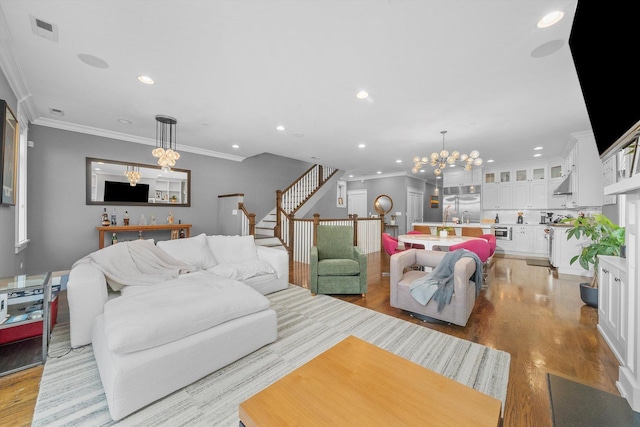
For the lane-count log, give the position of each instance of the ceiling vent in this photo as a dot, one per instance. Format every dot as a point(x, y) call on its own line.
point(56, 112)
point(44, 29)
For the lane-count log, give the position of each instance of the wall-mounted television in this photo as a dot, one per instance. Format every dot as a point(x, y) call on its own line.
point(124, 192)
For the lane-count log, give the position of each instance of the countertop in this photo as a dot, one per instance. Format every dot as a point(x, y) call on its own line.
point(482, 225)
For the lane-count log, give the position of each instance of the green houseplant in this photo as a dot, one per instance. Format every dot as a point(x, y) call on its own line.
point(606, 239)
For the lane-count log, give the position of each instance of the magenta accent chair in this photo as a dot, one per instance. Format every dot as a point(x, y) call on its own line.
point(478, 246)
point(390, 244)
point(412, 246)
point(491, 238)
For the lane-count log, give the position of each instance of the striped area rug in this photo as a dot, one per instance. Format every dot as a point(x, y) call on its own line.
point(71, 392)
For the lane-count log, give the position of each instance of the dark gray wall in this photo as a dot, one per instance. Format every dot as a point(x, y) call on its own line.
point(61, 225)
point(9, 261)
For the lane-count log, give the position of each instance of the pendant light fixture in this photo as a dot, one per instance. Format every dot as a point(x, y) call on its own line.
point(165, 149)
point(133, 175)
point(442, 159)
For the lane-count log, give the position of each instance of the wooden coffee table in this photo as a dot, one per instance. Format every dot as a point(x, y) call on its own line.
point(357, 383)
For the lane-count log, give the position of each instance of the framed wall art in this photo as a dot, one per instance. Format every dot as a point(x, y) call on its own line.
point(341, 197)
point(8, 155)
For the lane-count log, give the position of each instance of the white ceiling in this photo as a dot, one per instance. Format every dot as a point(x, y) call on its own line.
point(231, 71)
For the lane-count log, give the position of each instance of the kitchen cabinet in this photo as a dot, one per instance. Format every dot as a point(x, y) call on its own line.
point(533, 173)
point(459, 176)
point(563, 250)
point(612, 304)
point(497, 196)
point(529, 239)
point(530, 194)
point(583, 161)
point(555, 170)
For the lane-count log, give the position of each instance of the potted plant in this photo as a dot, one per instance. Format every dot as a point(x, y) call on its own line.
point(606, 239)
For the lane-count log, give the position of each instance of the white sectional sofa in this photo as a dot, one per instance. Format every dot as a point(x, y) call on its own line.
point(160, 317)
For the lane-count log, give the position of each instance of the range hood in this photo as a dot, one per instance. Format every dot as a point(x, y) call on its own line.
point(564, 187)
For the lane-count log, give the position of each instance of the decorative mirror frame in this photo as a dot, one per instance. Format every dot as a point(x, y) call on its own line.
point(9, 135)
point(378, 208)
point(90, 160)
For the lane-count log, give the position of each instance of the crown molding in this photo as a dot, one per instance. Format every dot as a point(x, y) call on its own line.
point(73, 127)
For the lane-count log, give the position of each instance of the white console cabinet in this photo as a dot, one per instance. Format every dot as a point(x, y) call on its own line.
point(613, 311)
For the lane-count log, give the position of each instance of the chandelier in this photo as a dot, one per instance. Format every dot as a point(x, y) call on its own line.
point(442, 159)
point(165, 149)
point(133, 175)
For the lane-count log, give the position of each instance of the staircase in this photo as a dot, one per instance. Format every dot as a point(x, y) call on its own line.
point(265, 234)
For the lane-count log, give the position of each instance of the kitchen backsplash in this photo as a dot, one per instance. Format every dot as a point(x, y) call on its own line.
point(533, 216)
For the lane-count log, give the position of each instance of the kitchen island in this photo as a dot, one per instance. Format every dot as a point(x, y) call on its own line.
point(529, 240)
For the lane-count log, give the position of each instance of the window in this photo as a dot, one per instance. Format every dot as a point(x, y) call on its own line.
point(21, 202)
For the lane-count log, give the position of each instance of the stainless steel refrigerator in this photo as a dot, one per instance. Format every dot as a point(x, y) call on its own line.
point(464, 201)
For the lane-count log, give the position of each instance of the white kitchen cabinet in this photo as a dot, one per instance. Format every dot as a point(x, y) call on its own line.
point(497, 196)
point(586, 180)
point(530, 194)
point(612, 304)
point(540, 240)
point(522, 239)
point(563, 250)
point(531, 173)
point(459, 176)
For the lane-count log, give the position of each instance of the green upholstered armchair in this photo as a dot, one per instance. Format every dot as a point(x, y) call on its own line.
point(337, 267)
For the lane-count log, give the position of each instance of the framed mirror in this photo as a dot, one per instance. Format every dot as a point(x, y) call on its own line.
point(383, 204)
point(109, 184)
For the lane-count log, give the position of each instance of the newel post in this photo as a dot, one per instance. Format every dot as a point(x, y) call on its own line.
point(252, 224)
point(278, 212)
point(316, 222)
point(355, 229)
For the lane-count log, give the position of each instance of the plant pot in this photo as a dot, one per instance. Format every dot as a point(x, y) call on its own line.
point(589, 295)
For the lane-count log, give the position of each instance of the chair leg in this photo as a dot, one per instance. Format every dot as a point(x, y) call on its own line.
point(364, 295)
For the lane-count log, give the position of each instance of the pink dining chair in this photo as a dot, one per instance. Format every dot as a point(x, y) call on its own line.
point(390, 244)
point(413, 245)
point(478, 246)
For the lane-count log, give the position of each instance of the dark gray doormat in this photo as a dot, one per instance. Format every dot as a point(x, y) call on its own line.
point(575, 404)
point(538, 262)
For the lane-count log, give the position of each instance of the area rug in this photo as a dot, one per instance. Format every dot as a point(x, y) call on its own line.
point(577, 405)
point(538, 262)
point(71, 392)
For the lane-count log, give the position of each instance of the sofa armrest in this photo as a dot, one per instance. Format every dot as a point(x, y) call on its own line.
point(87, 295)
point(276, 258)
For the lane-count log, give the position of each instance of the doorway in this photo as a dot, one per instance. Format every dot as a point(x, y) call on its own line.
point(357, 203)
point(415, 206)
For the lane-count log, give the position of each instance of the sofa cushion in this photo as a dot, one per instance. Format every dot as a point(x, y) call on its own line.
point(338, 267)
point(243, 270)
point(233, 249)
point(175, 309)
point(192, 250)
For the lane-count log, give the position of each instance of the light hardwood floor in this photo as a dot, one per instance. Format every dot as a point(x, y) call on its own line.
point(526, 311)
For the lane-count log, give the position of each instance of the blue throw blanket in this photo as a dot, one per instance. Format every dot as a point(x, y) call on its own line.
point(438, 284)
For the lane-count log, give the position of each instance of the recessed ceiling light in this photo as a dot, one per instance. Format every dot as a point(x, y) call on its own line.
point(124, 121)
point(379, 172)
point(98, 169)
point(362, 94)
point(398, 161)
point(550, 19)
point(280, 127)
point(538, 148)
point(146, 80)
point(362, 145)
point(490, 161)
point(235, 146)
point(437, 177)
point(537, 155)
point(422, 171)
point(350, 176)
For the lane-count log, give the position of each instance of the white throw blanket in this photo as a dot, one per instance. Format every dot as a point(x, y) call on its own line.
point(136, 263)
point(153, 316)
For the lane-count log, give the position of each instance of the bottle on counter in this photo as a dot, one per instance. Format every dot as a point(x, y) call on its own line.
point(114, 239)
point(182, 234)
point(170, 218)
point(497, 219)
point(126, 218)
point(105, 217)
point(113, 217)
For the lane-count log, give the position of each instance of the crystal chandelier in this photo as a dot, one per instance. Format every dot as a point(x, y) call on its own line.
point(442, 159)
point(133, 175)
point(166, 142)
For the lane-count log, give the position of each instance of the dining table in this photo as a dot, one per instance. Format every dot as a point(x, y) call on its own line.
point(430, 241)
